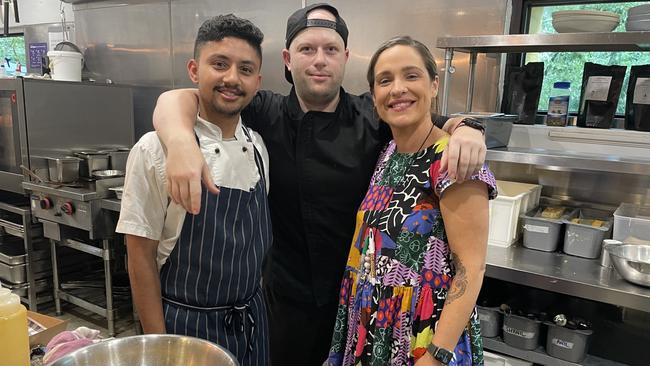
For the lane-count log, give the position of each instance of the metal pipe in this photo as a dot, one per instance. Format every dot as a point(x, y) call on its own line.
point(470, 81)
point(109, 288)
point(55, 279)
point(446, 85)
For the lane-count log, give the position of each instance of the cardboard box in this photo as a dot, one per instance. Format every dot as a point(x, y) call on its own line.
point(53, 326)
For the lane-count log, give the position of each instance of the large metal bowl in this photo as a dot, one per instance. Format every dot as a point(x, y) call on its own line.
point(150, 350)
point(632, 262)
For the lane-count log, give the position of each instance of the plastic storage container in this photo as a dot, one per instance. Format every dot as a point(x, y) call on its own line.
point(521, 332)
point(491, 321)
point(514, 199)
point(585, 240)
point(14, 335)
point(558, 104)
point(542, 233)
point(632, 224)
point(567, 344)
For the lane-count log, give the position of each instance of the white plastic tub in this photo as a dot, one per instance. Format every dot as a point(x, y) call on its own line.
point(65, 65)
point(632, 224)
point(513, 200)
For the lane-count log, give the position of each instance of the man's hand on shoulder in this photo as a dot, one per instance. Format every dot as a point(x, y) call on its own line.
point(186, 167)
point(465, 153)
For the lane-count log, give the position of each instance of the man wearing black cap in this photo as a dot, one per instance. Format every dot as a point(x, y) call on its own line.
point(323, 144)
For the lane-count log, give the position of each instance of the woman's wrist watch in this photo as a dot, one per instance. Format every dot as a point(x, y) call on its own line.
point(473, 123)
point(440, 354)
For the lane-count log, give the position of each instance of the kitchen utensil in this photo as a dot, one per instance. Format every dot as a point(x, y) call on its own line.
point(638, 10)
point(91, 161)
point(117, 158)
point(632, 262)
point(102, 174)
point(150, 350)
point(63, 169)
point(118, 192)
point(605, 260)
point(31, 174)
point(638, 25)
point(570, 21)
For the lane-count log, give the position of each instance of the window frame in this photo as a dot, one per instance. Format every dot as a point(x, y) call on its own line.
point(519, 24)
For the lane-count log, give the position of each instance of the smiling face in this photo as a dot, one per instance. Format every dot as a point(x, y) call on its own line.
point(316, 58)
point(402, 89)
point(227, 74)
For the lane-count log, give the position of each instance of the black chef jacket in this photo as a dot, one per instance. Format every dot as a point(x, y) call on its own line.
point(320, 167)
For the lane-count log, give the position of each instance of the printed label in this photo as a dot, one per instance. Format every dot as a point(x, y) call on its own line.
point(558, 106)
point(642, 91)
point(536, 229)
point(518, 332)
point(36, 52)
point(485, 317)
point(598, 88)
point(561, 343)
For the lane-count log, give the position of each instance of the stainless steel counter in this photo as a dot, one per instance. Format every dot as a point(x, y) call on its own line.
point(560, 42)
point(111, 204)
point(565, 274)
point(570, 160)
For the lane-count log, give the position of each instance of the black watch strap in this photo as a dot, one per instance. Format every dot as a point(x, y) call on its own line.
point(473, 123)
point(440, 354)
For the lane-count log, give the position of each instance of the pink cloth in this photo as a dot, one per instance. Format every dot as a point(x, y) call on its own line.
point(69, 341)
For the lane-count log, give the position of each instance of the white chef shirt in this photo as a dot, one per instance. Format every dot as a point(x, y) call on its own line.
point(148, 211)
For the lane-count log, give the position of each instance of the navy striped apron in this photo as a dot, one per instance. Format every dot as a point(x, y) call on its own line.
point(211, 281)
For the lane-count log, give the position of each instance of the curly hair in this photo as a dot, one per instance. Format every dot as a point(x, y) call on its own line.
point(221, 26)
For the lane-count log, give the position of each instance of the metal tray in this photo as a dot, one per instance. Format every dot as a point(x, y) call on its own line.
point(21, 289)
point(12, 252)
point(17, 274)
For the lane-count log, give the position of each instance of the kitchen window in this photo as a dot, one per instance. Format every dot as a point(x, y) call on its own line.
point(568, 66)
point(12, 52)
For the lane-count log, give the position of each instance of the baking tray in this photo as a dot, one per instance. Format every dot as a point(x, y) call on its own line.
point(21, 289)
point(17, 274)
point(12, 252)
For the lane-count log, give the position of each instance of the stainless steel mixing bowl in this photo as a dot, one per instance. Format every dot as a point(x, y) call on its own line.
point(150, 350)
point(632, 262)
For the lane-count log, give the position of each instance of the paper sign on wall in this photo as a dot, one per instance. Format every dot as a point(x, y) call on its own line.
point(36, 52)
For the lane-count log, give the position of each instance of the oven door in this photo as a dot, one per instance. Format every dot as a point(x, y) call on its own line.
point(13, 135)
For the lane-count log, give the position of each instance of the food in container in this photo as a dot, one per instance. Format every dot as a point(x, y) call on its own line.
point(552, 212)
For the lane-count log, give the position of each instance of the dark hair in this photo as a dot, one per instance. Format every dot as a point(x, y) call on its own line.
point(427, 57)
point(217, 28)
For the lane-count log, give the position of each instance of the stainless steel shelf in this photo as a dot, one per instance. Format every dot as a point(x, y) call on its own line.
point(562, 42)
point(111, 204)
point(565, 274)
point(539, 356)
point(570, 160)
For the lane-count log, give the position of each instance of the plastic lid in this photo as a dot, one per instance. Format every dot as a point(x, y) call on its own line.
point(562, 85)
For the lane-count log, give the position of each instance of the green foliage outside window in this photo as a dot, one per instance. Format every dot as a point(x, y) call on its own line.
point(13, 48)
point(568, 66)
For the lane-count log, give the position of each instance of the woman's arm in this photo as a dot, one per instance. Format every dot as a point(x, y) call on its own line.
point(173, 119)
point(464, 209)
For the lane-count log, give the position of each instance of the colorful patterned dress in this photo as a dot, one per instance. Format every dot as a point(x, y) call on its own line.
point(391, 321)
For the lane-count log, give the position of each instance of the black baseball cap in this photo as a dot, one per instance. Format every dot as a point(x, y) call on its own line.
point(298, 21)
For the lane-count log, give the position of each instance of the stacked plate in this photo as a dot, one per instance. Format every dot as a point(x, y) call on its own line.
point(571, 21)
point(638, 18)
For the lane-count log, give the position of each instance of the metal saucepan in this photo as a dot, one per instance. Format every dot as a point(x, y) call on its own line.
point(150, 350)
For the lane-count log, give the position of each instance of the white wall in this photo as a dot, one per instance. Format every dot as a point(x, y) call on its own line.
point(38, 12)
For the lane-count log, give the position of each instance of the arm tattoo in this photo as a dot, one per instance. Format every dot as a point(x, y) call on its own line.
point(459, 283)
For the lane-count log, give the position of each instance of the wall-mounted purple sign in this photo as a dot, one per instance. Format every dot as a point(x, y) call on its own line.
point(36, 52)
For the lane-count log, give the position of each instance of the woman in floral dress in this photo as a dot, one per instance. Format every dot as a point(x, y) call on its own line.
point(417, 259)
